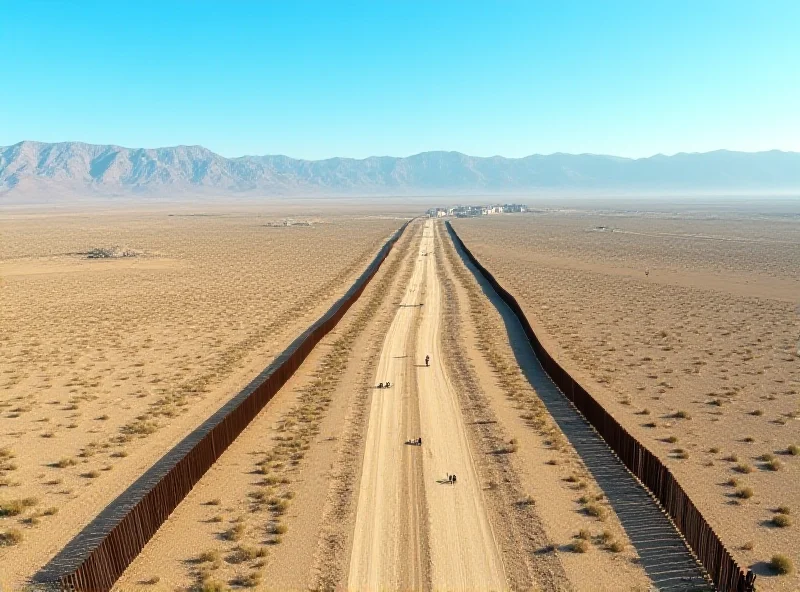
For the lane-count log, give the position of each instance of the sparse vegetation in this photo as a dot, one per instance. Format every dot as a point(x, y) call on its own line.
point(210, 556)
point(781, 564)
point(744, 492)
point(616, 546)
point(10, 537)
point(235, 532)
point(781, 520)
point(579, 546)
point(596, 510)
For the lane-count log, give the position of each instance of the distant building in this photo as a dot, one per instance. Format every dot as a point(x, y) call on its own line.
point(471, 211)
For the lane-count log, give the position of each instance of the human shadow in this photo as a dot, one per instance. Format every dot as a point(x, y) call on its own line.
point(663, 554)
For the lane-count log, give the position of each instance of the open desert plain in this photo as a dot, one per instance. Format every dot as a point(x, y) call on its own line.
point(684, 325)
point(420, 445)
point(121, 332)
point(329, 487)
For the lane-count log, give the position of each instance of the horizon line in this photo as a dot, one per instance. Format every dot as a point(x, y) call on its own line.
point(659, 154)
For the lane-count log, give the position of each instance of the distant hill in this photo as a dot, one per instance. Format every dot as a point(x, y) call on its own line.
point(74, 167)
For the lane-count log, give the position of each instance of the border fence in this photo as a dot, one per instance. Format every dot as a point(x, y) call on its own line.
point(100, 553)
point(646, 466)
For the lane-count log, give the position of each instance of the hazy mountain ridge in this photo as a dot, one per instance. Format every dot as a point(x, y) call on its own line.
point(109, 169)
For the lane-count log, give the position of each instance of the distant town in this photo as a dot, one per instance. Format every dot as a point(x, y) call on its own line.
point(470, 211)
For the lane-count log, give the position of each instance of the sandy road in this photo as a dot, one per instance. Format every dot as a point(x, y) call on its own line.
point(414, 530)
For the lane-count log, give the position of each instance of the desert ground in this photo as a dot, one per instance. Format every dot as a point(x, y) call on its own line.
point(126, 331)
point(325, 490)
point(120, 332)
point(685, 326)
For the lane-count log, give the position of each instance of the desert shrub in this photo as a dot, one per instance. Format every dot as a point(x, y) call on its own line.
point(216, 519)
point(748, 439)
point(65, 462)
point(793, 449)
point(93, 474)
point(767, 456)
point(682, 414)
point(616, 546)
point(744, 492)
point(757, 412)
point(234, 533)
point(671, 439)
point(250, 580)
point(714, 449)
point(513, 445)
point(781, 564)
point(152, 581)
point(596, 510)
point(783, 510)
point(210, 556)
point(743, 468)
point(213, 586)
point(748, 546)
point(584, 534)
point(774, 465)
point(277, 528)
point(10, 537)
point(681, 453)
point(781, 520)
point(213, 502)
point(579, 546)
point(15, 507)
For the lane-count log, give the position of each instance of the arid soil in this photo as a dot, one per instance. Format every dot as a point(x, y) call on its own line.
point(119, 333)
point(322, 490)
point(685, 327)
point(260, 514)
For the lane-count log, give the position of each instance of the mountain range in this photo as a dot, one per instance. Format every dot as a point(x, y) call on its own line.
point(78, 168)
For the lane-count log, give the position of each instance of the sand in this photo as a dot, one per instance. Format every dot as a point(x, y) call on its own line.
point(106, 363)
point(322, 491)
point(685, 327)
point(398, 494)
point(313, 409)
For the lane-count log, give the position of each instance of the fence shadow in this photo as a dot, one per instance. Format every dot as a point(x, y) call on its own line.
point(666, 559)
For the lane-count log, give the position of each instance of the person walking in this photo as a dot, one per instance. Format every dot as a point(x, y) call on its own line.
point(427, 361)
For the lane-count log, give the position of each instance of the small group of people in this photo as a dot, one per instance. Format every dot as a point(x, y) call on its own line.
point(387, 384)
point(451, 479)
point(416, 442)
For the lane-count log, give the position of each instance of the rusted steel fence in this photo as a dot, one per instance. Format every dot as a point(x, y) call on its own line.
point(101, 552)
point(646, 466)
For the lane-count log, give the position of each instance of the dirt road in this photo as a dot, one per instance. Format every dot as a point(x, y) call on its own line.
point(414, 529)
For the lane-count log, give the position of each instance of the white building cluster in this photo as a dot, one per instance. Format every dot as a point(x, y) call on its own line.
point(470, 211)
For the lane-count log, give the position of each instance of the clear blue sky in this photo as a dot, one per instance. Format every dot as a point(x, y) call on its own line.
point(314, 80)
